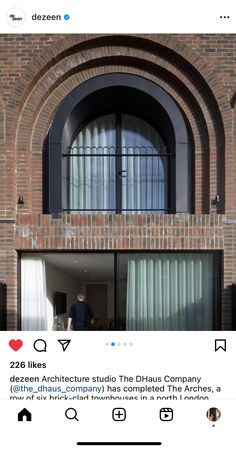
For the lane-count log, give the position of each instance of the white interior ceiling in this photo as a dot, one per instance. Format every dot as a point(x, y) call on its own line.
point(86, 266)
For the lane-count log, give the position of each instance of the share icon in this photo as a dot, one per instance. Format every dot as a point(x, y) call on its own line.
point(64, 343)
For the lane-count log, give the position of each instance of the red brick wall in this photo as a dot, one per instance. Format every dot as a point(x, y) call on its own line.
point(120, 232)
point(38, 71)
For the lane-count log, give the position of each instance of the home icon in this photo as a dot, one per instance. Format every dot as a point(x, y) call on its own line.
point(24, 414)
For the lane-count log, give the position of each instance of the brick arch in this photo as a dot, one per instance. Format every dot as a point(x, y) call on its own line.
point(29, 180)
point(169, 47)
point(186, 102)
point(198, 101)
point(41, 126)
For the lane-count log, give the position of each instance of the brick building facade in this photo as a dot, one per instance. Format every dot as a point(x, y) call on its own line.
point(198, 72)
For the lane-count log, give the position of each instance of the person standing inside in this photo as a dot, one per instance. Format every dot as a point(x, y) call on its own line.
point(80, 316)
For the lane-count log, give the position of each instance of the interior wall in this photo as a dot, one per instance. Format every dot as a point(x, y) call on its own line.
point(57, 280)
point(97, 299)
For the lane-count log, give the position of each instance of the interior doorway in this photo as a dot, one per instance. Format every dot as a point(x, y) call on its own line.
point(98, 300)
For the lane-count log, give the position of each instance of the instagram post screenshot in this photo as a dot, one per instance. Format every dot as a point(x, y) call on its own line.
point(117, 225)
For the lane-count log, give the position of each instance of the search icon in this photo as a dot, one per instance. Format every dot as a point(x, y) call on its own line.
point(71, 414)
point(40, 345)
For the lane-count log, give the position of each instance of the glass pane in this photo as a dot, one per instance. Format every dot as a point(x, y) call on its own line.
point(144, 166)
point(166, 291)
point(92, 187)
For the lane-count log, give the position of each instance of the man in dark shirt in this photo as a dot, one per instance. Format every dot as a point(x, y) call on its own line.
point(80, 315)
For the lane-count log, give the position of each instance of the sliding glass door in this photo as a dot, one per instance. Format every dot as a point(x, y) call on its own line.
point(138, 291)
point(167, 291)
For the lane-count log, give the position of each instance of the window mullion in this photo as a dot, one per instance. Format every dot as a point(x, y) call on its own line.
point(118, 165)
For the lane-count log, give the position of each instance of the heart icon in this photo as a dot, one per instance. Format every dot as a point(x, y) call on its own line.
point(15, 345)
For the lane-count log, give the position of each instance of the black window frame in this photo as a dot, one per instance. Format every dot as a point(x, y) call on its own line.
point(118, 209)
point(3, 306)
point(130, 94)
point(217, 284)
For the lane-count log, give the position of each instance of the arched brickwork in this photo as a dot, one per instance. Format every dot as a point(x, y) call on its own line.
point(54, 66)
point(191, 110)
point(161, 64)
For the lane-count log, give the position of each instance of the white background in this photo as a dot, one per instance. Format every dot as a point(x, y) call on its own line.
point(125, 16)
point(156, 354)
point(152, 353)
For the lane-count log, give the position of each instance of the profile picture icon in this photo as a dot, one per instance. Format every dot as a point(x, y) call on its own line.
point(213, 414)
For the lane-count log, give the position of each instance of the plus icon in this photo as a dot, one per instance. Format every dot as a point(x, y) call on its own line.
point(119, 414)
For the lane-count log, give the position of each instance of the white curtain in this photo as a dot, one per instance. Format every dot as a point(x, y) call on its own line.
point(92, 174)
point(170, 292)
point(33, 294)
point(144, 181)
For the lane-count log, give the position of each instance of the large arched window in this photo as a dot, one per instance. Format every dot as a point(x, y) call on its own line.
point(118, 144)
point(118, 163)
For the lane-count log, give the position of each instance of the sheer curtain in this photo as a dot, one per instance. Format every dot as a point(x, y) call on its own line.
point(144, 183)
point(92, 177)
point(170, 292)
point(33, 294)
